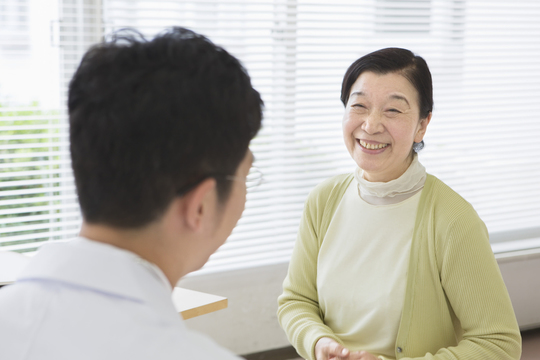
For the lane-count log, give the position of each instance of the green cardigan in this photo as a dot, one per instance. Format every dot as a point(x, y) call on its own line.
point(456, 304)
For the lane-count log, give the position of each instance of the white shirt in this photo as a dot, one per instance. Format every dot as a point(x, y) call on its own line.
point(363, 261)
point(87, 300)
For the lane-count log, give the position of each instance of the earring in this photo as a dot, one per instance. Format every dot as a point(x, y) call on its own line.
point(417, 146)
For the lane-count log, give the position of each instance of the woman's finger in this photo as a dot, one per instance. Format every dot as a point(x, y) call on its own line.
point(337, 351)
point(329, 349)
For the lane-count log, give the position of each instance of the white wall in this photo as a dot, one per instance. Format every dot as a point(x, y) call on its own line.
point(250, 323)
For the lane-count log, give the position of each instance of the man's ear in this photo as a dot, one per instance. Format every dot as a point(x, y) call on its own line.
point(422, 129)
point(198, 203)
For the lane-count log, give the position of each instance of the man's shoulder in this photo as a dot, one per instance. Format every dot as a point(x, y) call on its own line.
point(101, 299)
point(92, 326)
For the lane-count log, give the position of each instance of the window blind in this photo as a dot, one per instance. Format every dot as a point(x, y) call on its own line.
point(38, 202)
point(481, 140)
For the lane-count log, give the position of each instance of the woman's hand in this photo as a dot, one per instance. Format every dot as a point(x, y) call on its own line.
point(329, 349)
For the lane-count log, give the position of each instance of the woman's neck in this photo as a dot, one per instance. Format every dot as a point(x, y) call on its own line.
point(385, 193)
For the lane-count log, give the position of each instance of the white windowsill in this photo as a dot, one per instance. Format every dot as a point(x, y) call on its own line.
point(515, 248)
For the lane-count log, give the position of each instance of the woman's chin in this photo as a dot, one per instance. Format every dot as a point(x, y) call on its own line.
point(369, 165)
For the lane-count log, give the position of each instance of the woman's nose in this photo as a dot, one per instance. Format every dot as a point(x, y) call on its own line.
point(372, 123)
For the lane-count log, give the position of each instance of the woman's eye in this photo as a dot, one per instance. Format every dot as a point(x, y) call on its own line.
point(394, 110)
point(358, 106)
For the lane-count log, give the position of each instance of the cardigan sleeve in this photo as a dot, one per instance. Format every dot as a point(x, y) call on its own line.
point(475, 290)
point(298, 307)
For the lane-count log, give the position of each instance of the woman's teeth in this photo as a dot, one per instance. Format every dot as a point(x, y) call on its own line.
point(372, 146)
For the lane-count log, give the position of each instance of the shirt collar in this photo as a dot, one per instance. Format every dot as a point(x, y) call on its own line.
point(394, 191)
point(102, 268)
point(155, 271)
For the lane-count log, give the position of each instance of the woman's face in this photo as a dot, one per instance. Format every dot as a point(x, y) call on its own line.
point(381, 122)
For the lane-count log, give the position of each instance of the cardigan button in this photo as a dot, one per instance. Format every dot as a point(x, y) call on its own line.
point(399, 349)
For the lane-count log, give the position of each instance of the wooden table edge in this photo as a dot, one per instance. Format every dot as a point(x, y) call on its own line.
point(205, 309)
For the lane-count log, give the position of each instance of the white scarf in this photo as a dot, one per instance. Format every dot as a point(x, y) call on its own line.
point(394, 191)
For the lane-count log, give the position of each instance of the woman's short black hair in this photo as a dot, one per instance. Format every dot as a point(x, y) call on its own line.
point(150, 119)
point(394, 60)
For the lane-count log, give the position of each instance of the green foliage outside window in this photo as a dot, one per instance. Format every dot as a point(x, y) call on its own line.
point(29, 143)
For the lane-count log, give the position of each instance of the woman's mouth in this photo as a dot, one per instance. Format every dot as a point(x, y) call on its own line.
point(368, 146)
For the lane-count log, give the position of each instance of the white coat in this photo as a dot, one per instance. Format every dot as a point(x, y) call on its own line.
point(87, 300)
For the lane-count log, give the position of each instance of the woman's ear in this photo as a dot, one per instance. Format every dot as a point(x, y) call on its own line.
point(422, 128)
point(199, 204)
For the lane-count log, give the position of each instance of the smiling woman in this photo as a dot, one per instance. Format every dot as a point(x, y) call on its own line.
point(390, 263)
point(381, 122)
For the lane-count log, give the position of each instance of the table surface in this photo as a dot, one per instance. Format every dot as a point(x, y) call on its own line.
point(189, 303)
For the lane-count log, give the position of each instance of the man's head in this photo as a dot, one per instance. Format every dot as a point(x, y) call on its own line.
point(150, 120)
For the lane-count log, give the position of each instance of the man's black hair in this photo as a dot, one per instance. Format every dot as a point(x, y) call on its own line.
point(150, 119)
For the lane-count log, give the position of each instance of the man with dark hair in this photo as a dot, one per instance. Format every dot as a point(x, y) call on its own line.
point(159, 134)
